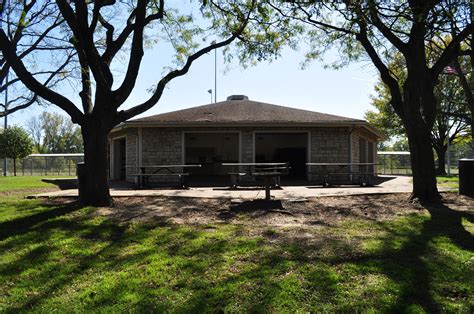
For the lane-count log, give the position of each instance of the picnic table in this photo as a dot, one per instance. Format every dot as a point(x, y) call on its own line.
point(267, 170)
point(364, 177)
point(145, 172)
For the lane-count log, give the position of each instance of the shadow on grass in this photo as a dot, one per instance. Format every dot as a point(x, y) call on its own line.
point(21, 225)
point(82, 262)
point(413, 255)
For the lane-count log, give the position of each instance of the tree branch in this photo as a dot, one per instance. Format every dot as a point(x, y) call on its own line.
point(127, 114)
point(33, 84)
point(450, 51)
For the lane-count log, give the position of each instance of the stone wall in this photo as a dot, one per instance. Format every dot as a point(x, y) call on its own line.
point(328, 145)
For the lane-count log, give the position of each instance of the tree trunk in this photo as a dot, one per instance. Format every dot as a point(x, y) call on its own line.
point(422, 160)
point(14, 167)
point(441, 153)
point(94, 189)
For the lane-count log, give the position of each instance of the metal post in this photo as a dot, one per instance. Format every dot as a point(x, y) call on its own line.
point(215, 75)
point(384, 163)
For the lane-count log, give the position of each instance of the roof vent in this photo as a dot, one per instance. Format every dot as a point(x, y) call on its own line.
point(237, 97)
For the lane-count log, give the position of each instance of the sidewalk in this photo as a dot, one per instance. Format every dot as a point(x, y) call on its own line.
point(391, 185)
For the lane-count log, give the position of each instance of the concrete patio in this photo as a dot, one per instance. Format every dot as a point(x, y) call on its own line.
point(389, 184)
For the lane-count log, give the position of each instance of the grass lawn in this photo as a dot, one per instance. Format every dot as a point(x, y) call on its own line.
point(18, 183)
point(448, 181)
point(60, 256)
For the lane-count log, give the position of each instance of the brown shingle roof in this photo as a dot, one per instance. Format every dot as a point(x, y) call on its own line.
point(242, 112)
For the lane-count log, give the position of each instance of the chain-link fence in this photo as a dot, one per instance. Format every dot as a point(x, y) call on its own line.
point(398, 163)
point(44, 164)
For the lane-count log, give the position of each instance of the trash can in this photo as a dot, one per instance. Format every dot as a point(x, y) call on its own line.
point(466, 177)
point(80, 171)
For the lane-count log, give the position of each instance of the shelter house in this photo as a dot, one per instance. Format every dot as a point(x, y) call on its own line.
point(239, 130)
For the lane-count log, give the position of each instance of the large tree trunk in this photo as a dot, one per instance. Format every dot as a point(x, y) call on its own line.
point(94, 189)
point(422, 160)
point(441, 153)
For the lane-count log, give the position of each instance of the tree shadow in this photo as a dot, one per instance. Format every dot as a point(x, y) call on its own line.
point(22, 225)
point(254, 209)
point(444, 222)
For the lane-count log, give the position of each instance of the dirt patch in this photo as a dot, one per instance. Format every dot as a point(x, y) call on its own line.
point(322, 211)
point(28, 191)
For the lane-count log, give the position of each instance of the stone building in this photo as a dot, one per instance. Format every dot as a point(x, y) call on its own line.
point(242, 131)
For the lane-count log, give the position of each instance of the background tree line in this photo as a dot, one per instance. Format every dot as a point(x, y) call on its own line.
point(53, 133)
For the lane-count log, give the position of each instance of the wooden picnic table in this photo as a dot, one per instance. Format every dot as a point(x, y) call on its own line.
point(364, 177)
point(160, 171)
point(265, 170)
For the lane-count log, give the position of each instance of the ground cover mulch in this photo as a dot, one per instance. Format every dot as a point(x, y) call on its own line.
point(328, 211)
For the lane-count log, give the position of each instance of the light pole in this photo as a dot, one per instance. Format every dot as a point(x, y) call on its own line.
point(210, 92)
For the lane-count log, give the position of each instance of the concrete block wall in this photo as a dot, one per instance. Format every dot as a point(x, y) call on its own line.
point(161, 146)
point(328, 145)
point(247, 145)
point(131, 156)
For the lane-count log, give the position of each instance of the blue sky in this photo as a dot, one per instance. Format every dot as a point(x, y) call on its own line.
point(344, 92)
